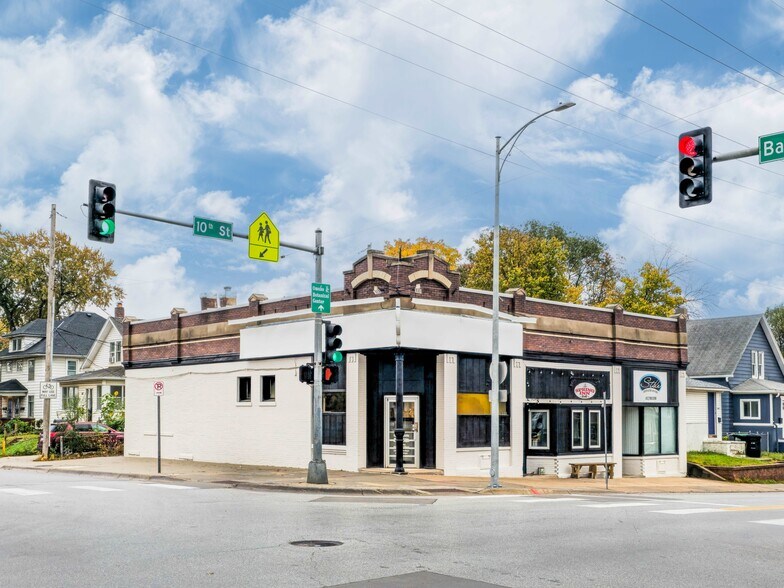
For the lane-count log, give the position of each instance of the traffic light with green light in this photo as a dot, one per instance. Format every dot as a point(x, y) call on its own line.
point(101, 209)
point(333, 343)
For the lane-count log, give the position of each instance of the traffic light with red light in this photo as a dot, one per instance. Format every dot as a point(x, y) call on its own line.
point(100, 211)
point(695, 167)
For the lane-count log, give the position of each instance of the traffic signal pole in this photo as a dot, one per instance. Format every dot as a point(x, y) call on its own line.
point(317, 468)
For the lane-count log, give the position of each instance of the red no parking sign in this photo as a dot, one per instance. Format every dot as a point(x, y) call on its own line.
point(157, 388)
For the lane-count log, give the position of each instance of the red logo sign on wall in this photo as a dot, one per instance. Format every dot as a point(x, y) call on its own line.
point(585, 390)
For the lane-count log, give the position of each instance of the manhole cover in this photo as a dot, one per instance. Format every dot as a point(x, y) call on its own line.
point(315, 543)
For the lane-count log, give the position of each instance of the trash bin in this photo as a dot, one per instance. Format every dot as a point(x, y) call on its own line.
point(753, 445)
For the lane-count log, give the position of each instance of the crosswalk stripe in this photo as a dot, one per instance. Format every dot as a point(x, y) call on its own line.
point(97, 488)
point(23, 491)
point(773, 522)
point(687, 511)
point(545, 500)
point(171, 486)
point(616, 504)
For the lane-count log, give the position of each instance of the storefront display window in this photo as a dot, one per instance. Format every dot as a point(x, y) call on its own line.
point(578, 429)
point(538, 427)
point(473, 404)
point(654, 428)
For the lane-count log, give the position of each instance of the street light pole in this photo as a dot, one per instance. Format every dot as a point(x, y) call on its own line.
point(494, 363)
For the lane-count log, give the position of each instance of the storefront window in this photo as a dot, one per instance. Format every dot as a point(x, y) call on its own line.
point(652, 428)
point(538, 429)
point(578, 429)
point(594, 429)
point(473, 404)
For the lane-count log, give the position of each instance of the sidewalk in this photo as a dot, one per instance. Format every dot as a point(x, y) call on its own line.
point(374, 482)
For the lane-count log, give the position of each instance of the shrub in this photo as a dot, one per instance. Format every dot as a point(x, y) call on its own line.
point(15, 426)
point(113, 412)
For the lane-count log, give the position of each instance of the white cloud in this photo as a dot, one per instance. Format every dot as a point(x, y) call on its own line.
point(222, 205)
point(155, 284)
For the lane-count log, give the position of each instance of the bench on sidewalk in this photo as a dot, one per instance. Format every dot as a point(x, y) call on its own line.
point(593, 468)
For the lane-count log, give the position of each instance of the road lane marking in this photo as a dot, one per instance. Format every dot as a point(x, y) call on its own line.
point(545, 500)
point(753, 508)
point(617, 504)
point(97, 488)
point(23, 491)
point(686, 511)
point(171, 486)
point(779, 522)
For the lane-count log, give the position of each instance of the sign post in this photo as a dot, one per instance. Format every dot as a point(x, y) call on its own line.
point(157, 390)
point(604, 434)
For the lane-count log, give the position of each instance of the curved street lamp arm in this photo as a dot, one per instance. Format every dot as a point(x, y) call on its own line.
point(513, 139)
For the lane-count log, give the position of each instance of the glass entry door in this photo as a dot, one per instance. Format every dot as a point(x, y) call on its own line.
point(410, 431)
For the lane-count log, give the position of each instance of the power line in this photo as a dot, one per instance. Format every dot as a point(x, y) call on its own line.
point(693, 48)
point(720, 38)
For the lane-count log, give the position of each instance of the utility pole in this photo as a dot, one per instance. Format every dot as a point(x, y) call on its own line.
point(49, 330)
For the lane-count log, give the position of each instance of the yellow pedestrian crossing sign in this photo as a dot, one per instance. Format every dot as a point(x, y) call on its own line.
point(263, 239)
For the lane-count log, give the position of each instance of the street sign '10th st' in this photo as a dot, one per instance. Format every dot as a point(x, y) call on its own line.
point(771, 147)
point(205, 227)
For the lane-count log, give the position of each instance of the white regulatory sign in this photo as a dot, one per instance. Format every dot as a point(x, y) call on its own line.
point(48, 390)
point(157, 388)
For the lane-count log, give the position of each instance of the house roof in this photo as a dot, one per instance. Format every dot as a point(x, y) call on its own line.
point(695, 384)
point(74, 335)
point(35, 328)
point(110, 373)
point(12, 386)
point(759, 386)
point(716, 345)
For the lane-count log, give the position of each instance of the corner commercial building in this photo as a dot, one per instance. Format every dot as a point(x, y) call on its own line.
point(232, 394)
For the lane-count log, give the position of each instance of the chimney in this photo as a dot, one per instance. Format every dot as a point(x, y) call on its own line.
point(209, 301)
point(119, 312)
point(229, 298)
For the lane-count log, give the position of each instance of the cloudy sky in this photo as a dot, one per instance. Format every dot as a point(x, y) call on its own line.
point(375, 119)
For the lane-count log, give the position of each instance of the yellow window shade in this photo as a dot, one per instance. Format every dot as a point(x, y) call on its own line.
point(476, 404)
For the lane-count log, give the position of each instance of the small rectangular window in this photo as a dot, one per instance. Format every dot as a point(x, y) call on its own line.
point(115, 352)
point(16, 344)
point(31, 369)
point(70, 367)
point(538, 429)
point(761, 364)
point(267, 388)
point(30, 406)
point(243, 389)
point(594, 429)
point(750, 409)
point(578, 429)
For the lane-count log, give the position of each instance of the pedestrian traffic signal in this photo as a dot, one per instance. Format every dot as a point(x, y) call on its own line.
point(695, 167)
point(330, 374)
point(306, 373)
point(332, 353)
point(100, 211)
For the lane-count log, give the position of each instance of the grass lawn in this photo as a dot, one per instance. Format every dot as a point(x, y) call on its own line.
point(21, 445)
point(718, 459)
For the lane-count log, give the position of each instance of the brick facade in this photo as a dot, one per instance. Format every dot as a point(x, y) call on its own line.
point(561, 329)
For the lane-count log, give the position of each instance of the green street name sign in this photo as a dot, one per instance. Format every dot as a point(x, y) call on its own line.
point(320, 297)
point(206, 227)
point(771, 147)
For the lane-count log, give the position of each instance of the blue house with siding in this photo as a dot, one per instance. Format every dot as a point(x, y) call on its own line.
point(736, 372)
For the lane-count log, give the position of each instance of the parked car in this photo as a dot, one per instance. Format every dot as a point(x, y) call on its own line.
point(57, 429)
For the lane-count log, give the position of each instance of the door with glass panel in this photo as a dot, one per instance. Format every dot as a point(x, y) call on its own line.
point(410, 431)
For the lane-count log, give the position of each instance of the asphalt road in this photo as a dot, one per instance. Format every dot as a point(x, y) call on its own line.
point(76, 530)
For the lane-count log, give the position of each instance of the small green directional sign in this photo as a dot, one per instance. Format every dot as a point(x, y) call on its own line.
point(771, 147)
point(206, 227)
point(320, 297)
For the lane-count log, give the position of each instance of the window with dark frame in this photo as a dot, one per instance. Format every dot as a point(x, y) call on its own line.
point(31, 369)
point(594, 429)
point(70, 367)
point(539, 429)
point(750, 409)
point(473, 404)
point(650, 430)
point(268, 388)
point(578, 429)
point(243, 389)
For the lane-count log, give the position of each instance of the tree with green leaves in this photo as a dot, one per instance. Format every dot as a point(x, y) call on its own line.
point(775, 317)
point(82, 276)
point(538, 264)
point(406, 248)
point(653, 291)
